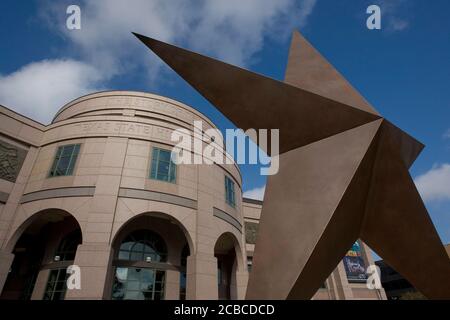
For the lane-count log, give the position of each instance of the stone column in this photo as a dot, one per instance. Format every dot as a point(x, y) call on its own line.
point(241, 284)
point(6, 260)
point(95, 254)
point(202, 277)
point(242, 275)
point(368, 258)
point(94, 261)
point(202, 265)
point(172, 285)
point(343, 289)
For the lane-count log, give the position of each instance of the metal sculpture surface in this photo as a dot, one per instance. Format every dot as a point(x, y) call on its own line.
point(343, 174)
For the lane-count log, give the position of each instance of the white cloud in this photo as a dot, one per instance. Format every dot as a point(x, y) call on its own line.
point(398, 24)
point(434, 185)
point(447, 134)
point(256, 193)
point(39, 89)
point(391, 14)
point(232, 30)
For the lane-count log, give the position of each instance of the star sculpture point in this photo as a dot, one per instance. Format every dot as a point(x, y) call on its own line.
point(343, 174)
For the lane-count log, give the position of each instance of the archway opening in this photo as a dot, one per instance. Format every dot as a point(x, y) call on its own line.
point(148, 259)
point(185, 253)
point(225, 253)
point(46, 245)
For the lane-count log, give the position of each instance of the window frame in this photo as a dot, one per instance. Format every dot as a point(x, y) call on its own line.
point(185, 253)
point(230, 201)
point(129, 245)
point(149, 239)
point(51, 286)
point(172, 166)
point(68, 245)
point(158, 287)
point(72, 160)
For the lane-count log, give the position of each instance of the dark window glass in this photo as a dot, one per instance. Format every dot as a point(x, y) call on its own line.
point(143, 245)
point(138, 284)
point(68, 246)
point(219, 273)
point(184, 254)
point(162, 167)
point(56, 285)
point(229, 192)
point(65, 159)
point(249, 264)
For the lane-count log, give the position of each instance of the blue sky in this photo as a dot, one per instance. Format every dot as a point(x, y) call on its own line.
point(402, 69)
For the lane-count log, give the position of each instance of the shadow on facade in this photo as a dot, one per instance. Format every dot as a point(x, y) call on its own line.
point(226, 253)
point(43, 247)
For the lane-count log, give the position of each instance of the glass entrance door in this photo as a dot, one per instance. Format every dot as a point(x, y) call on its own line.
point(138, 284)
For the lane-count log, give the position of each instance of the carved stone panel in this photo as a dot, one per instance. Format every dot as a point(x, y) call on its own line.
point(11, 160)
point(251, 231)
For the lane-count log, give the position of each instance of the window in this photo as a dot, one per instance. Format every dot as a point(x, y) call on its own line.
point(249, 264)
point(56, 285)
point(139, 282)
point(143, 245)
point(68, 246)
point(163, 168)
point(219, 273)
point(229, 192)
point(65, 159)
point(184, 254)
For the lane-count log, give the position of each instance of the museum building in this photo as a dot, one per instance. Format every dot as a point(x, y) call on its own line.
point(97, 189)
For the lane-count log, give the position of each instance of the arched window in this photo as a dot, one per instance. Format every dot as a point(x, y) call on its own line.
point(143, 245)
point(139, 274)
point(64, 254)
point(68, 246)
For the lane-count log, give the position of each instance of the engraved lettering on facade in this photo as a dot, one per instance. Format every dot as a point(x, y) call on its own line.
point(115, 128)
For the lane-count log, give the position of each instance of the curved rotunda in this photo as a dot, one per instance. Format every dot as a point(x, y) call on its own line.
point(96, 188)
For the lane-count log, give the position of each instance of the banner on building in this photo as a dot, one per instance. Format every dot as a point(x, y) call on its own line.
point(354, 264)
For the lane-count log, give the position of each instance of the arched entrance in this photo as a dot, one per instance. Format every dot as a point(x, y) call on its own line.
point(185, 253)
point(148, 259)
point(43, 247)
point(226, 251)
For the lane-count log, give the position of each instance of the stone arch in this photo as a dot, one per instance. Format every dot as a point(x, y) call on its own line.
point(38, 259)
point(127, 266)
point(45, 215)
point(155, 214)
point(228, 253)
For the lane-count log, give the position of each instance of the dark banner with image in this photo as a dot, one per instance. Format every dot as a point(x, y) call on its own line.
point(354, 264)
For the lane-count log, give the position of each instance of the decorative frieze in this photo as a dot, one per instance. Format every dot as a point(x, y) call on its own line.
point(11, 160)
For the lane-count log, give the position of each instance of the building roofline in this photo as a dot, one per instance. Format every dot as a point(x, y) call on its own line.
point(252, 201)
point(137, 92)
point(37, 123)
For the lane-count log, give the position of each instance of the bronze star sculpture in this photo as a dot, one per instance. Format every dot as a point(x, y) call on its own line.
point(343, 174)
